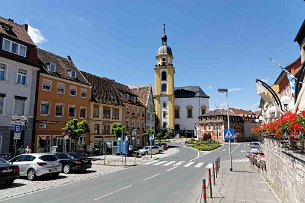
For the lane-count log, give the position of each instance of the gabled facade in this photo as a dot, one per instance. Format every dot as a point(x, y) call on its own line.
point(18, 78)
point(106, 106)
point(63, 94)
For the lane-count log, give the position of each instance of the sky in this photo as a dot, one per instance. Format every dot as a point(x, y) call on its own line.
point(216, 44)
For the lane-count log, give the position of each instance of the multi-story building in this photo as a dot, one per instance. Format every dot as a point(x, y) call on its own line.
point(213, 123)
point(133, 115)
point(145, 94)
point(190, 102)
point(63, 94)
point(107, 107)
point(18, 78)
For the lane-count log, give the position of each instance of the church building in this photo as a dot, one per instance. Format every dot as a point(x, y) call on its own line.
point(176, 107)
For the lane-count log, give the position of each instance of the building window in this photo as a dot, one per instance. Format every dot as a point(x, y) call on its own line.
point(52, 67)
point(138, 124)
point(45, 108)
point(72, 111)
point(127, 124)
point(72, 73)
point(96, 128)
point(139, 112)
point(163, 75)
point(143, 125)
point(83, 112)
point(177, 127)
point(84, 93)
point(96, 110)
point(60, 88)
point(142, 113)
point(2, 103)
point(203, 110)
point(59, 110)
point(164, 114)
point(106, 129)
point(106, 112)
point(189, 112)
point(2, 72)
point(46, 85)
point(133, 111)
point(164, 124)
point(14, 47)
point(163, 88)
point(73, 91)
point(177, 113)
point(164, 104)
point(19, 105)
point(115, 114)
point(127, 110)
point(132, 123)
point(21, 76)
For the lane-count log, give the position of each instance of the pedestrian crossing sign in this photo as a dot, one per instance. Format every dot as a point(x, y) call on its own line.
point(228, 134)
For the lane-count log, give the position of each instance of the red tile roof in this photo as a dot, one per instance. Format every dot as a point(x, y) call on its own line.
point(143, 93)
point(16, 31)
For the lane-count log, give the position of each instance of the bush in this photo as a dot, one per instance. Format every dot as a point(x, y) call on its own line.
point(207, 147)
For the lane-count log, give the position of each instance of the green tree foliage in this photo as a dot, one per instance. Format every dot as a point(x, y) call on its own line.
point(117, 129)
point(146, 134)
point(74, 128)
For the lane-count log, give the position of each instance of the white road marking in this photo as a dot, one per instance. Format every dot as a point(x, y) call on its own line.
point(196, 157)
point(224, 150)
point(188, 164)
point(235, 148)
point(172, 168)
point(199, 165)
point(151, 177)
point(169, 163)
point(179, 163)
point(113, 192)
point(159, 163)
point(151, 162)
point(242, 151)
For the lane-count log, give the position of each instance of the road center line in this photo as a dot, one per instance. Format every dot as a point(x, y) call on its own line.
point(172, 168)
point(113, 192)
point(151, 177)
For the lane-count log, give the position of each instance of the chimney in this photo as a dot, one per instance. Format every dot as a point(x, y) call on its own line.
point(69, 58)
point(26, 26)
point(10, 20)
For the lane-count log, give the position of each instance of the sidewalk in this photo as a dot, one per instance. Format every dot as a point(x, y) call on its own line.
point(243, 184)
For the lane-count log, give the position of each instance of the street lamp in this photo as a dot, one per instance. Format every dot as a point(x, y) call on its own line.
point(228, 119)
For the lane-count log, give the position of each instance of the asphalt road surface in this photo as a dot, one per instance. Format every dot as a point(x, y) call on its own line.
point(176, 178)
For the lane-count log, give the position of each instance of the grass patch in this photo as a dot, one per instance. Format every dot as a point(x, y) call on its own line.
point(203, 145)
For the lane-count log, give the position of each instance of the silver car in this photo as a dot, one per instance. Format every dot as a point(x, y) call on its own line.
point(150, 149)
point(33, 165)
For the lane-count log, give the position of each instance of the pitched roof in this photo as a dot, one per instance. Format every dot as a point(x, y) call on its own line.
point(301, 34)
point(143, 93)
point(15, 31)
point(190, 91)
point(219, 112)
point(242, 112)
point(103, 90)
point(63, 65)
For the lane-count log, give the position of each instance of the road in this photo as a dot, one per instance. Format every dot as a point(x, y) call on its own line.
point(176, 178)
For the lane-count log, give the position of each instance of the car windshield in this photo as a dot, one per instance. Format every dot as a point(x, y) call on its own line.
point(48, 158)
point(76, 156)
point(2, 161)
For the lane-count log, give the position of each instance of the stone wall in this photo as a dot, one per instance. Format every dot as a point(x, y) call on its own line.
point(285, 171)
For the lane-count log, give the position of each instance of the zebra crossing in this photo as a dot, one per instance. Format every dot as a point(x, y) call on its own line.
point(176, 163)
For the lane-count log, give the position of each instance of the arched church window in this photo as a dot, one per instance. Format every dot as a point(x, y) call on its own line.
point(163, 87)
point(163, 75)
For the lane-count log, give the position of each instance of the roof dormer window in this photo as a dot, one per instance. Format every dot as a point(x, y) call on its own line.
point(14, 47)
point(6, 27)
point(52, 67)
point(72, 73)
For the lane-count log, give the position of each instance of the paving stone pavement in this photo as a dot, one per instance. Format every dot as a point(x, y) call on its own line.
point(243, 184)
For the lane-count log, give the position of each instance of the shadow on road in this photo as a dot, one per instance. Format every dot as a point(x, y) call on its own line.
point(3, 186)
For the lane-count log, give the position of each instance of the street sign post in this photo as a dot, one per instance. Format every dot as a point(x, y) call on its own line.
point(17, 131)
point(151, 138)
point(228, 134)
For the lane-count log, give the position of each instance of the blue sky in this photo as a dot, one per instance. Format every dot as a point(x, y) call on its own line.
point(216, 44)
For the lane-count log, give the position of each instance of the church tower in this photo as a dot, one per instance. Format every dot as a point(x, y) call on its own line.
point(164, 85)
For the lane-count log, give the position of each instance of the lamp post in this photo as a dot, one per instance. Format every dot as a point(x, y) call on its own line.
point(228, 119)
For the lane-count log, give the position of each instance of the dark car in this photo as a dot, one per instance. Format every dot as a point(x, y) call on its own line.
point(73, 161)
point(163, 145)
point(8, 172)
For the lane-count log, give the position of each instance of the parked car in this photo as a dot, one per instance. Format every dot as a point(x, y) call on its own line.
point(150, 149)
point(8, 172)
point(73, 161)
point(254, 144)
point(163, 145)
point(255, 148)
point(37, 164)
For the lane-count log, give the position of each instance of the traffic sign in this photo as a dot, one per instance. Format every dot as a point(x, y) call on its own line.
point(228, 134)
point(151, 137)
point(17, 131)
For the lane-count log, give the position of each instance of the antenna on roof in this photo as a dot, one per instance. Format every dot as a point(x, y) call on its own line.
point(164, 28)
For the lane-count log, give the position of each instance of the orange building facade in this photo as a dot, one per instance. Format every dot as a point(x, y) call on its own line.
point(63, 94)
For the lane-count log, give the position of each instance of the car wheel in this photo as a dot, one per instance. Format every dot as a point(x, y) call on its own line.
point(160, 152)
point(146, 153)
point(9, 182)
point(31, 175)
point(66, 169)
point(55, 175)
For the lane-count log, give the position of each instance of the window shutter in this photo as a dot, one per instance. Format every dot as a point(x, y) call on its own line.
point(19, 107)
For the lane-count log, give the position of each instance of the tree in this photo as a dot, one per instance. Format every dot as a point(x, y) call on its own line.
point(169, 133)
point(74, 129)
point(117, 129)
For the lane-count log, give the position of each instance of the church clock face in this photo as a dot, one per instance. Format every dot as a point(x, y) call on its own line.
point(163, 59)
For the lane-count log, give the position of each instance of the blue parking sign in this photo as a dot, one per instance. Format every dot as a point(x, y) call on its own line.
point(17, 128)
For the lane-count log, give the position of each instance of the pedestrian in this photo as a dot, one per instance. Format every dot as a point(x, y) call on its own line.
point(28, 150)
point(20, 150)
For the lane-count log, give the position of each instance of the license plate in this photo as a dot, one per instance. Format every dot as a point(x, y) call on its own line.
point(6, 171)
point(53, 170)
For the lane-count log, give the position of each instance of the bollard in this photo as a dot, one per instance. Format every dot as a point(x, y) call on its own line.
point(216, 167)
point(204, 191)
point(210, 183)
point(218, 162)
point(214, 174)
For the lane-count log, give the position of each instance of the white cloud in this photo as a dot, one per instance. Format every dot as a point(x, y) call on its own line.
point(81, 19)
point(36, 35)
point(235, 89)
point(210, 87)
